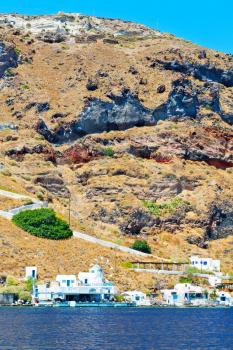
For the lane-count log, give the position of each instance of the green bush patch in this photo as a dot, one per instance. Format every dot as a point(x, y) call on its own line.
point(107, 151)
point(141, 246)
point(165, 208)
point(43, 223)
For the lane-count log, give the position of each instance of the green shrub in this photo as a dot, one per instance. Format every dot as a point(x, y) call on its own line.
point(6, 172)
point(165, 208)
point(11, 290)
point(213, 295)
point(119, 298)
point(193, 269)
point(24, 87)
point(11, 281)
point(25, 296)
point(42, 223)
point(17, 50)
point(185, 280)
point(142, 246)
point(9, 72)
point(29, 284)
point(107, 151)
point(127, 265)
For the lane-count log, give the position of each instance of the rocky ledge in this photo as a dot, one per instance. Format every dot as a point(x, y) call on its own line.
point(125, 111)
point(203, 72)
point(72, 24)
point(8, 58)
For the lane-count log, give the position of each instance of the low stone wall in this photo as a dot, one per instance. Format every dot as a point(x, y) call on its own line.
point(32, 206)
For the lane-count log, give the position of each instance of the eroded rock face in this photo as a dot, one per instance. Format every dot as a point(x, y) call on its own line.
point(183, 100)
point(221, 221)
point(126, 111)
point(207, 144)
point(198, 241)
point(75, 24)
point(19, 152)
point(167, 187)
point(52, 183)
point(8, 58)
point(63, 134)
point(203, 72)
point(79, 153)
point(137, 221)
point(52, 37)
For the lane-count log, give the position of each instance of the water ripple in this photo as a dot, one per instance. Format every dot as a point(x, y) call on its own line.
point(116, 329)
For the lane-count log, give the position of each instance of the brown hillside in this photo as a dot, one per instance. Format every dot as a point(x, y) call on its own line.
point(135, 125)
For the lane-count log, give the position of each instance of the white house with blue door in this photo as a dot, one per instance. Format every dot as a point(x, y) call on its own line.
point(31, 272)
point(136, 297)
point(224, 298)
point(206, 264)
point(185, 293)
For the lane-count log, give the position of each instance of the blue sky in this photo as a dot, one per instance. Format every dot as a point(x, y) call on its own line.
point(206, 22)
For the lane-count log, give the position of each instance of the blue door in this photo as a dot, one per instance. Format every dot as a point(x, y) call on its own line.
point(68, 283)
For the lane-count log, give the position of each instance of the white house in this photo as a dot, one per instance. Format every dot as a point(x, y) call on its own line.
point(214, 280)
point(139, 298)
point(31, 272)
point(185, 293)
point(207, 264)
point(224, 298)
point(88, 287)
point(95, 276)
point(66, 280)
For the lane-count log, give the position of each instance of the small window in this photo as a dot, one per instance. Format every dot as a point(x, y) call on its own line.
point(63, 281)
point(86, 281)
point(137, 298)
point(196, 262)
point(205, 263)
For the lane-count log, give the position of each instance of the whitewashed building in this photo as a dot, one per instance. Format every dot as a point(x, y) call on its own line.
point(66, 281)
point(224, 298)
point(88, 287)
point(206, 264)
point(185, 293)
point(214, 280)
point(139, 298)
point(95, 276)
point(31, 272)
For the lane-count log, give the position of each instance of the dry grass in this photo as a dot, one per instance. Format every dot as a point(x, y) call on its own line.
point(59, 75)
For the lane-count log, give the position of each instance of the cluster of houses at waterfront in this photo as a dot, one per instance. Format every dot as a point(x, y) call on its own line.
point(89, 288)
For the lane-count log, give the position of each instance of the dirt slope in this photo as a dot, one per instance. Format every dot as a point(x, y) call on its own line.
point(135, 125)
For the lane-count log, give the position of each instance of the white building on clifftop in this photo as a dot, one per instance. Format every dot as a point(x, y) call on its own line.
point(206, 264)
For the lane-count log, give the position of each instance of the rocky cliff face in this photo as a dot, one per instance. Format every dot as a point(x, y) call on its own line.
point(8, 59)
point(136, 126)
point(126, 111)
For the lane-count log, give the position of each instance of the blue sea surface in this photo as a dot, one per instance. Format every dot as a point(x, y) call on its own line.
point(116, 329)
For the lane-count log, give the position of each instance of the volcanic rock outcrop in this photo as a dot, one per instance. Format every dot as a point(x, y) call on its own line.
point(8, 58)
point(134, 126)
